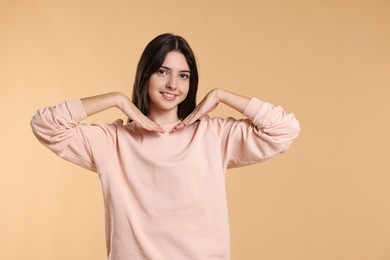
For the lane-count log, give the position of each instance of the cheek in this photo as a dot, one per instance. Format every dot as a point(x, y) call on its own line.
point(186, 88)
point(151, 82)
point(152, 85)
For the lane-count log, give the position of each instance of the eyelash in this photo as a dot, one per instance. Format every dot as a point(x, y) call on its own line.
point(164, 72)
point(184, 76)
point(161, 71)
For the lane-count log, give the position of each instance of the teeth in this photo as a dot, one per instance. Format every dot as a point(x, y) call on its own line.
point(168, 95)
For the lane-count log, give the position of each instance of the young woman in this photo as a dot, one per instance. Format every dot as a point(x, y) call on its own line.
point(163, 173)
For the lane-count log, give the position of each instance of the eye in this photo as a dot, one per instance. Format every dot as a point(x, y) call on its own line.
point(184, 76)
point(162, 72)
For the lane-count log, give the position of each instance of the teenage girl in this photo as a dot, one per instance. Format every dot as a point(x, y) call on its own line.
point(163, 172)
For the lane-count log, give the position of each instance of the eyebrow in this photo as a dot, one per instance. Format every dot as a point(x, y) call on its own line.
point(188, 71)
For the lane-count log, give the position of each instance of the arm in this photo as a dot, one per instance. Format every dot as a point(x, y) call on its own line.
point(232, 100)
point(95, 104)
point(267, 131)
point(59, 128)
point(211, 101)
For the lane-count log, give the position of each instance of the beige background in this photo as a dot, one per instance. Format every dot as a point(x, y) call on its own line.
point(328, 197)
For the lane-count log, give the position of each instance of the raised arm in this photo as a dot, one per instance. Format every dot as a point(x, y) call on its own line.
point(273, 127)
point(59, 128)
point(95, 104)
point(267, 130)
point(211, 101)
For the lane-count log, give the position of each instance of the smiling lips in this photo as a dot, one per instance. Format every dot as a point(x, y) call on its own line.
point(168, 96)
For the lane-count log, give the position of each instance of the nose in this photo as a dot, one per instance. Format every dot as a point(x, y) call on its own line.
point(172, 84)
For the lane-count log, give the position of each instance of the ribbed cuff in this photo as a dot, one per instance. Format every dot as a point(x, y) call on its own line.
point(252, 109)
point(76, 110)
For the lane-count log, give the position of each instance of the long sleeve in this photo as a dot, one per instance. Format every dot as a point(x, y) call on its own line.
point(59, 129)
point(165, 194)
point(266, 132)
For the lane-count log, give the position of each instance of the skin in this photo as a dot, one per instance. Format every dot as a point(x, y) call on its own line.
point(168, 87)
point(171, 79)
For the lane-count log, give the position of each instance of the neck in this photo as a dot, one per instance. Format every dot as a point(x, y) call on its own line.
point(164, 117)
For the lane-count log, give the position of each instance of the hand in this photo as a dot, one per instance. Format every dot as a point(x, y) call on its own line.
point(133, 113)
point(96, 104)
point(208, 104)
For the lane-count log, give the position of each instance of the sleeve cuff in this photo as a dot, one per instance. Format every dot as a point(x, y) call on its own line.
point(76, 110)
point(252, 108)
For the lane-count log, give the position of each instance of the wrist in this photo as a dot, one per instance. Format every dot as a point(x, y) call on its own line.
point(220, 95)
point(216, 93)
point(231, 99)
point(120, 100)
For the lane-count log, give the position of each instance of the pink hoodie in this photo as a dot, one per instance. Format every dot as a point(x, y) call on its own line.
point(164, 194)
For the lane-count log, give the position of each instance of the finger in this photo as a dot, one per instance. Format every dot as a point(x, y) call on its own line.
point(200, 114)
point(183, 123)
point(148, 124)
point(137, 116)
point(186, 120)
point(194, 117)
point(178, 127)
point(190, 119)
point(152, 126)
point(118, 122)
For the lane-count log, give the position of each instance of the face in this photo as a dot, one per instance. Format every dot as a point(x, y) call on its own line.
point(169, 86)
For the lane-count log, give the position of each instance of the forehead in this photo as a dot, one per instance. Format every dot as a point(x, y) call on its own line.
point(176, 60)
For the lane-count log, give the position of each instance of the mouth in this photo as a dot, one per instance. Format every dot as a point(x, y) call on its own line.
point(168, 96)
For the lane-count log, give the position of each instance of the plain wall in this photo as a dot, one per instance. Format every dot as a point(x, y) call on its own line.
point(328, 62)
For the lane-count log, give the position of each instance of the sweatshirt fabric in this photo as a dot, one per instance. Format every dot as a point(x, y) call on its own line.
point(165, 194)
